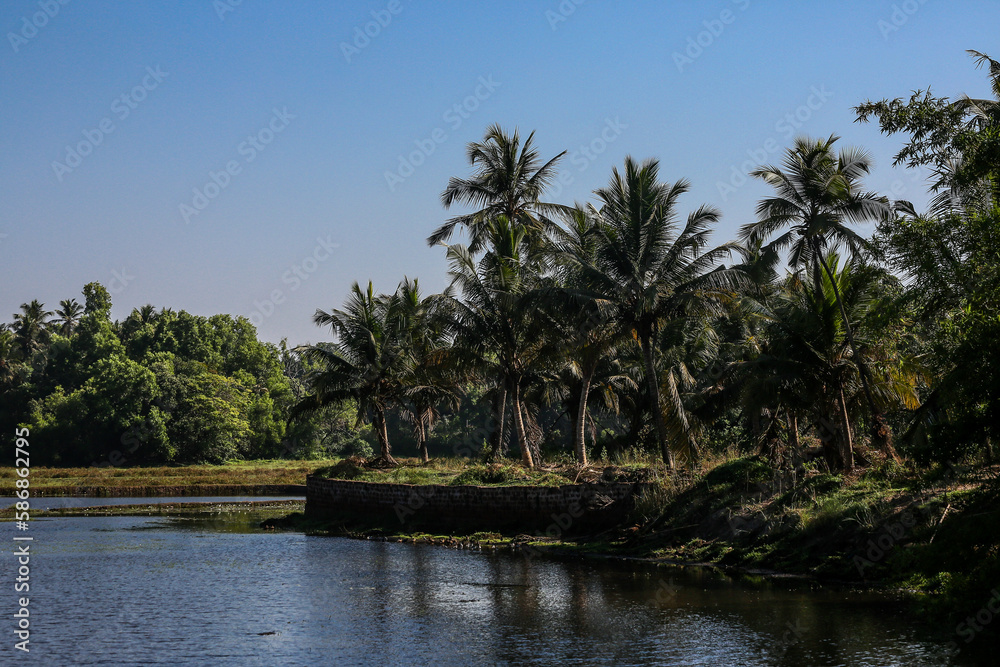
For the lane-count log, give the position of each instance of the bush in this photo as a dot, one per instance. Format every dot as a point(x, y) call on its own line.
point(350, 468)
point(492, 474)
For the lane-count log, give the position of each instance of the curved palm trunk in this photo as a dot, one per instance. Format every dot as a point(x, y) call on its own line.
point(383, 436)
point(579, 431)
point(522, 439)
point(846, 440)
point(881, 434)
point(654, 397)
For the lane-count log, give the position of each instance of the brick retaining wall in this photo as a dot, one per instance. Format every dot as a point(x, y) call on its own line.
point(564, 509)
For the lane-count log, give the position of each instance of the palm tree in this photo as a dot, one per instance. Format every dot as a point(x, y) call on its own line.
point(366, 363)
point(648, 272)
point(8, 358)
point(30, 327)
point(496, 323)
point(806, 366)
point(817, 195)
point(137, 319)
point(983, 113)
point(584, 326)
point(508, 181)
point(69, 313)
point(428, 384)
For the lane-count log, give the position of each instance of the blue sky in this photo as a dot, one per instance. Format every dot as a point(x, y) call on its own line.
point(255, 158)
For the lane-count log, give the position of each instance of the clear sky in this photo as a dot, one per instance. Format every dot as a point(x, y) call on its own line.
point(211, 156)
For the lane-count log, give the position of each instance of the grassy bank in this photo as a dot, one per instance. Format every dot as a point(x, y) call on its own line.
point(460, 471)
point(254, 509)
point(237, 478)
point(932, 534)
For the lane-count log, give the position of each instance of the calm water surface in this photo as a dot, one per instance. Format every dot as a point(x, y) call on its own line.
point(56, 502)
point(140, 590)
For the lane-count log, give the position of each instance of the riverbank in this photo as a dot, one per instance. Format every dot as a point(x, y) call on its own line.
point(932, 534)
point(264, 508)
point(241, 478)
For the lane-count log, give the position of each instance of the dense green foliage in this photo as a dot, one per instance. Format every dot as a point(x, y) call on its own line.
point(158, 386)
point(619, 320)
point(585, 330)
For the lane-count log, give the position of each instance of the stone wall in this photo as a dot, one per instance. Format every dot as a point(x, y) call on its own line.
point(564, 509)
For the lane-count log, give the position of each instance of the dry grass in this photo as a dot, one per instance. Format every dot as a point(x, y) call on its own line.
point(245, 473)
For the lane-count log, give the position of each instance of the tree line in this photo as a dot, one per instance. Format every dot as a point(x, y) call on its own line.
point(160, 386)
point(587, 329)
point(801, 337)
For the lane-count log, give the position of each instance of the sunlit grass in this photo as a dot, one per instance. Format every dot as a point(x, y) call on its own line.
point(245, 473)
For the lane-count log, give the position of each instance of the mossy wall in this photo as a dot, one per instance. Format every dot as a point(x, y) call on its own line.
point(565, 509)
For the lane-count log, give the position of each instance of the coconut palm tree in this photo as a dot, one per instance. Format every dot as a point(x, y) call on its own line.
point(509, 180)
point(8, 358)
point(366, 362)
point(31, 327)
point(69, 314)
point(805, 365)
point(496, 324)
point(649, 270)
point(429, 383)
point(584, 326)
point(817, 195)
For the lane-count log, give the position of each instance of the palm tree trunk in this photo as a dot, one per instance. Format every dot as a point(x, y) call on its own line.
point(846, 439)
point(793, 433)
point(422, 440)
point(496, 433)
point(579, 432)
point(654, 398)
point(383, 436)
point(881, 434)
point(522, 440)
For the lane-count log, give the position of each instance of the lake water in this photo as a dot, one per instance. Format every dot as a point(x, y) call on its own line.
point(57, 502)
point(149, 590)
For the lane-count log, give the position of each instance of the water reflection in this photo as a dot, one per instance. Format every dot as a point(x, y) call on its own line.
point(139, 590)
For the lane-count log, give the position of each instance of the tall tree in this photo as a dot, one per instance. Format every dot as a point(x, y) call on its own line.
point(650, 270)
point(30, 327)
point(69, 313)
point(817, 195)
point(959, 140)
point(584, 322)
point(366, 362)
point(428, 384)
point(496, 323)
point(509, 180)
